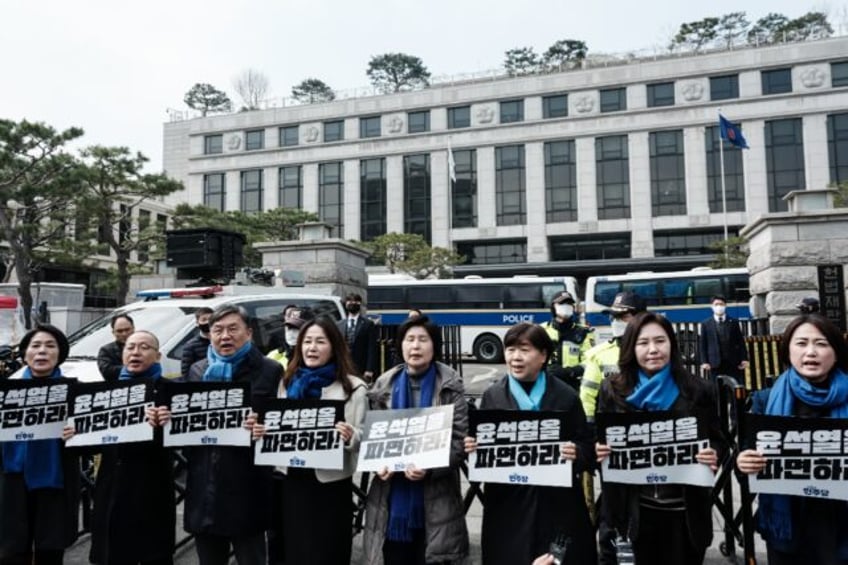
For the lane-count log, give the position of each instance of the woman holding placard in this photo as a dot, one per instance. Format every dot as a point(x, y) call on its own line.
point(416, 517)
point(799, 529)
point(39, 480)
point(317, 502)
point(521, 522)
point(668, 523)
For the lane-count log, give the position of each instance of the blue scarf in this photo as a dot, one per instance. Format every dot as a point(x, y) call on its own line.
point(307, 383)
point(406, 498)
point(154, 372)
point(530, 402)
point(774, 518)
point(40, 461)
point(658, 392)
point(222, 367)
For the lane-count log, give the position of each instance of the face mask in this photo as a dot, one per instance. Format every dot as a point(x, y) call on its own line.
point(564, 310)
point(618, 327)
point(353, 308)
point(718, 310)
point(204, 328)
point(291, 336)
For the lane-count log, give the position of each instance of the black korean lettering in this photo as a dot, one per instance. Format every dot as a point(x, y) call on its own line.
point(825, 469)
point(374, 449)
point(34, 416)
point(527, 455)
point(685, 454)
point(288, 441)
point(549, 454)
point(663, 455)
point(394, 447)
point(305, 440)
point(270, 443)
point(235, 419)
point(413, 445)
point(485, 458)
point(13, 419)
point(618, 460)
point(135, 415)
point(799, 469)
point(82, 424)
point(99, 421)
point(215, 420)
point(505, 456)
point(56, 413)
point(640, 458)
point(197, 422)
point(772, 470)
point(179, 425)
point(118, 418)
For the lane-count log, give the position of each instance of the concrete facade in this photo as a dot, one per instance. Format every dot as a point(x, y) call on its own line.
point(813, 98)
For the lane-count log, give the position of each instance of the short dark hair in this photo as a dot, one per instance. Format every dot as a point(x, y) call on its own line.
point(826, 327)
point(227, 309)
point(532, 334)
point(718, 297)
point(117, 317)
point(202, 311)
point(432, 330)
point(58, 335)
point(353, 297)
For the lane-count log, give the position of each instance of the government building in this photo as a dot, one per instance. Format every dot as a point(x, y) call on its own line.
point(608, 168)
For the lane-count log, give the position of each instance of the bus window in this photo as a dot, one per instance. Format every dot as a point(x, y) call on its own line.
point(649, 290)
point(705, 289)
point(488, 296)
point(386, 298)
point(431, 297)
point(524, 296)
point(605, 292)
point(677, 291)
point(548, 293)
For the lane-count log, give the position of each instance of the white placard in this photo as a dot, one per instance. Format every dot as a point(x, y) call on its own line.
point(396, 439)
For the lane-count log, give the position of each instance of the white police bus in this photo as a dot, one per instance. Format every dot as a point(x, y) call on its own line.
point(483, 308)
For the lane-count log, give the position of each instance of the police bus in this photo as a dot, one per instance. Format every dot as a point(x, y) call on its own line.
point(682, 296)
point(483, 308)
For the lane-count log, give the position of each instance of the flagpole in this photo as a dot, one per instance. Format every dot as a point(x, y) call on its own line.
point(723, 193)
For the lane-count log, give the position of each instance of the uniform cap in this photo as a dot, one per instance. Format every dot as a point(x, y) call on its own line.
point(562, 297)
point(627, 302)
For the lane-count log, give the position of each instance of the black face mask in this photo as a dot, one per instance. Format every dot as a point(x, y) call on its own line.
point(353, 308)
point(204, 328)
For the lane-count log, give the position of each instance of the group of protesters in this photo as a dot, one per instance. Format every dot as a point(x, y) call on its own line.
point(416, 516)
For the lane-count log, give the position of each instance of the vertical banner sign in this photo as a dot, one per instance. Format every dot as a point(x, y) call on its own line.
point(301, 433)
point(518, 447)
point(804, 456)
point(206, 413)
point(832, 294)
point(398, 438)
point(654, 448)
point(32, 409)
point(110, 413)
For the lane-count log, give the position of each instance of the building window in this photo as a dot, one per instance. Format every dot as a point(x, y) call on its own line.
point(493, 252)
point(614, 100)
point(416, 195)
point(560, 182)
point(661, 94)
point(784, 161)
point(334, 131)
point(612, 172)
point(509, 185)
point(372, 186)
point(251, 191)
point(291, 188)
point(254, 139)
point(668, 173)
point(724, 87)
point(689, 242)
point(289, 136)
point(214, 191)
point(331, 196)
point(418, 122)
point(839, 74)
point(837, 147)
point(777, 81)
point(459, 117)
point(369, 127)
point(734, 179)
point(555, 106)
point(585, 247)
point(464, 193)
point(512, 111)
point(213, 144)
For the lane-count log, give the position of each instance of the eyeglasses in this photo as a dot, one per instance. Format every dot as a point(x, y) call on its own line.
point(143, 347)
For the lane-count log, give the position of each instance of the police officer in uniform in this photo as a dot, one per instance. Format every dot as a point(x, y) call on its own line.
point(571, 340)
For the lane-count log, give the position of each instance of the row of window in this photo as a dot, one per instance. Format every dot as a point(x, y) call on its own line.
point(784, 172)
point(725, 87)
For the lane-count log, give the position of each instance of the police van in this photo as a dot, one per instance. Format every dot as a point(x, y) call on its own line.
point(169, 315)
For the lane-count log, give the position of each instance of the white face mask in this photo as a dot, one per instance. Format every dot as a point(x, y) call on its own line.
point(291, 336)
point(718, 310)
point(564, 310)
point(618, 327)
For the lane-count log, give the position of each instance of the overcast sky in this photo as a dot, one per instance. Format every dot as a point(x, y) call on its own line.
point(115, 67)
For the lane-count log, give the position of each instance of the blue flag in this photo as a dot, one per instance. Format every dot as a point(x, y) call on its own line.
point(732, 133)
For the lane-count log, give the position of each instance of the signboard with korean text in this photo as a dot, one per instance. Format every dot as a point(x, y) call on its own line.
point(32, 409)
point(804, 456)
point(518, 447)
point(107, 413)
point(832, 294)
point(206, 413)
point(654, 448)
point(301, 433)
point(398, 438)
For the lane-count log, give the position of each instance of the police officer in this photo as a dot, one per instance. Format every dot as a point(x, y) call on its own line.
point(571, 340)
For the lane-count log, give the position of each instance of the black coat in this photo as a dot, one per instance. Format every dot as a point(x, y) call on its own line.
point(110, 360)
point(708, 343)
point(134, 515)
point(620, 502)
point(226, 494)
point(520, 522)
point(55, 512)
point(193, 351)
point(364, 347)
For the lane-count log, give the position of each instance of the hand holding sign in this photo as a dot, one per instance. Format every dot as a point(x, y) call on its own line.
point(751, 461)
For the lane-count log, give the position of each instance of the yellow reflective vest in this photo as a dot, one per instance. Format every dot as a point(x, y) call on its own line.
point(572, 352)
point(279, 356)
point(599, 362)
